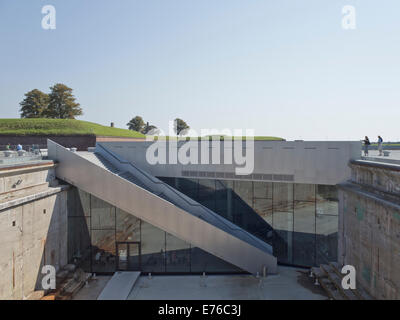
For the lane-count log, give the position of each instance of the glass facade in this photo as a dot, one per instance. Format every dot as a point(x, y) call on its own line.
point(300, 221)
point(103, 239)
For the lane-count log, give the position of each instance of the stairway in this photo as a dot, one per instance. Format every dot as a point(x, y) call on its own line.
point(329, 277)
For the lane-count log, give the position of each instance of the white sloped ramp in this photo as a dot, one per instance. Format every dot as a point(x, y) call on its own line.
point(119, 286)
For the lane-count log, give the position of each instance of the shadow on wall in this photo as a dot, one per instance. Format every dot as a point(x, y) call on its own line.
point(54, 246)
point(79, 239)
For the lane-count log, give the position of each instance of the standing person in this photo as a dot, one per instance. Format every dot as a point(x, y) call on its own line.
point(366, 144)
point(19, 147)
point(8, 146)
point(380, 147)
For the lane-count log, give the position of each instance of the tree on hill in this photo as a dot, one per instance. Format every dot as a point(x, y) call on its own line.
point(180, 126)
point(34, 104)
point(136, 124)
point(62, 103)
point(149, 128)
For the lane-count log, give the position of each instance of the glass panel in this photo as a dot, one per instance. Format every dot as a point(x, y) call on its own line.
point(187, 186)
point(122, 256)
point(134, 257)
point(169, 181)
point(304, 233)
point(304, 192)
point(327, 192)
point(264, 208)
point(103, 251)
point(153, 248)
point(327, 200)
point(178, 254)
point(127, 227)
point(282, 245)
point(244, 190)
point(327, 238)
point(283, 197)
point(206, 193)
point(203, 261)
point(283, 237)
point(103, 214)
point(224, 199)
point(262, 190)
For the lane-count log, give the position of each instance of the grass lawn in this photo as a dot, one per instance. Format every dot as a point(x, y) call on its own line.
point(23, 127)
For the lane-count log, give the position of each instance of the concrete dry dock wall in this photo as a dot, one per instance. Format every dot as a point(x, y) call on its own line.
point(33, 228)
point(369, 227)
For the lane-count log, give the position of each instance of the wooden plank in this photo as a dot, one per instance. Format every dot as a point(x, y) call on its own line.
point(330, 289)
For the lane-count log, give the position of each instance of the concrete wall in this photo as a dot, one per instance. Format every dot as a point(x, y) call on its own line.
point(369, 227)
point(33, 228)
point(317, 162)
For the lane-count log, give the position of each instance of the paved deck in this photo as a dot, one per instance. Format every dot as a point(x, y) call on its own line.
point(373, 155)
point(288, 284)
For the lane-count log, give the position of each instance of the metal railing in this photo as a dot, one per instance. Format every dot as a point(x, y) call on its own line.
point(10, 155)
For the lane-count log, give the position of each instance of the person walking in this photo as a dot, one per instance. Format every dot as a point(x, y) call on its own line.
point(366, 144)
point(380, 147)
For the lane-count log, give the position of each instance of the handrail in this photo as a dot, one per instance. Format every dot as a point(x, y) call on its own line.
point(220, 219)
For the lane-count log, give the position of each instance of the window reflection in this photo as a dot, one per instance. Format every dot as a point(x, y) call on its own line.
point(177, 254)
point(153, 248)
point(299, 220)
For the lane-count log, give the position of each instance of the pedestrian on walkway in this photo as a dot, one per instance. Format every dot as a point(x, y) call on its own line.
point(380, 147)
point(366, 145)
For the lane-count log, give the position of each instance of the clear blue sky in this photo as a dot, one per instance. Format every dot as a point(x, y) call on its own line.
point(281, 67)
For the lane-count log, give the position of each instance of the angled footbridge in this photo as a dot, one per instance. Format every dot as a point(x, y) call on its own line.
point(122, 184)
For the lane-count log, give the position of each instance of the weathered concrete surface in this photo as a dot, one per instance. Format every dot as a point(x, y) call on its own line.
point(33, 228)
point(369, 226)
